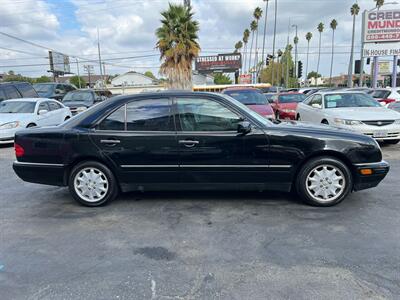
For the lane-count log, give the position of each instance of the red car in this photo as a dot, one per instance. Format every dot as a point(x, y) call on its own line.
point(253, 98)
point(285, 104)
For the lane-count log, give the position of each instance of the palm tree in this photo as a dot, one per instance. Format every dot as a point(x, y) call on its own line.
point(295, 41)
point(320, 30)
point(178, 45)
point(308, 38)
point(355, 9)
point(246, 35)
point(379, 3)
point(238, 46)
point(253, 28)
point(333, 25)
point(257, 16)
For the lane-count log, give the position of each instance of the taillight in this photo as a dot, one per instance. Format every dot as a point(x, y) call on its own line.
point(389, 101)
point(19, 151)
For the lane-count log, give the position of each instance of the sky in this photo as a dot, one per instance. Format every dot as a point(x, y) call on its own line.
point(127, 31)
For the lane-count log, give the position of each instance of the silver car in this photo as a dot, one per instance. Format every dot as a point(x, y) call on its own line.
point(354, 111)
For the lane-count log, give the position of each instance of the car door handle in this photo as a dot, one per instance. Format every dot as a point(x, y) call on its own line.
point(188, 143)
point(110, 142)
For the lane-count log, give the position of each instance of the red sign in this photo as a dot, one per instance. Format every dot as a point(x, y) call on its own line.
point(221, 62)
point(382, 26)
point(245, 79)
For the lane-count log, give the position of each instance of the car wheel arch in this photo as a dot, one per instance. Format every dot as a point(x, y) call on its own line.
point(81, 159)
point(325, 153)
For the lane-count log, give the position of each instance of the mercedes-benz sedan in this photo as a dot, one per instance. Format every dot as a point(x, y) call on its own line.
point(195, 141)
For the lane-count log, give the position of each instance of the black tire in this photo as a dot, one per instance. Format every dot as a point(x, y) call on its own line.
point(325, 122)
point(277, 116)
point(112, 185)
point(66, 118)
point(392, 142)
point(302, 184)
point(298, 118)
point(31, 125)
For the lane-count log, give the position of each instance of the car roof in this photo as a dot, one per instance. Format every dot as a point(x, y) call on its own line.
point(238, 89)
point(338, 92)
point(28, 99)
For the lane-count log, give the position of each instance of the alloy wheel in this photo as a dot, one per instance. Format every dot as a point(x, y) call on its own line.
point(91, 184)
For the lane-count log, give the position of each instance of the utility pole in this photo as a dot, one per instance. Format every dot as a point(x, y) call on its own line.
point(287, 56)
point(98, 48)
point(89, 70)
point(77, 68)
point(273, 43)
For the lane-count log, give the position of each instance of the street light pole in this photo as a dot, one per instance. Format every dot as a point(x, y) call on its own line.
point(287, 56)
point(265, 30)
point(273, 43)
point(295, 56)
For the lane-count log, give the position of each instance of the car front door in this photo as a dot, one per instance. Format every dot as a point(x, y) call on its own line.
point(139, 139)
point(212, 152)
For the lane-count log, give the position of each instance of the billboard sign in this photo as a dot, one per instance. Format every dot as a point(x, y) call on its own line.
point(245, 79)
point(59, 62)
point(381, 49)
point(219, 63)
point(384, 68)
point(382, 26)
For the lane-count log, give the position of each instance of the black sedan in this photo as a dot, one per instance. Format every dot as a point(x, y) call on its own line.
point(194, 141)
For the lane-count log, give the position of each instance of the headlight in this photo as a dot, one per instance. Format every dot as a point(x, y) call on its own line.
point(290, 111)
point(10, 125)
point(347, 122)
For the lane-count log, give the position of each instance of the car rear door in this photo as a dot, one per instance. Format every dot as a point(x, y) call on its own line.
point(212, 152)
point(139, 139)
point(43, 119)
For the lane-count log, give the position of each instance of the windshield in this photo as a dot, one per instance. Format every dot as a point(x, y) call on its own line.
point(248, 97)
point(380, 94)
point(294, 98)
point(350, 100)
point(43, 88)
point(20, 107)
point(78, 96)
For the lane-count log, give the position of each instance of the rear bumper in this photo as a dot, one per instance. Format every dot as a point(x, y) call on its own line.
point(379, 171)
point(44, 173)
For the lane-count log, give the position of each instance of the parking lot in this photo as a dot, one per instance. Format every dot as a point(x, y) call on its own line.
point(210, 245)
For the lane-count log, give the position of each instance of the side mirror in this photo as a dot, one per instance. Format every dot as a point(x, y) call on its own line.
point(316, 105)
point(244, 127)
point(43, 112)
point(57, 91)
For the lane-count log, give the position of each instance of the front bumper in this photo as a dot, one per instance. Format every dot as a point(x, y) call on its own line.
point(44, 173)
point(378, 172)
point(380, 133)
point(7, 135)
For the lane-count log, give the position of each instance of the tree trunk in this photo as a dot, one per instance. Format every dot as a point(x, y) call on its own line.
point(251, 50)
point(308, 53)
point(319, 51)
point(333, 51)
point(350, 73)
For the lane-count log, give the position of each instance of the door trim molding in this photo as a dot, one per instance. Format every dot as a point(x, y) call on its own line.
point(208, 166)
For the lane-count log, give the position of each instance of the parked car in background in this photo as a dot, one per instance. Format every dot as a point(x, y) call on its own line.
point(53, 90)
point(29, 112)
point(285, 104)
point(195, 141)
point(80, 100)
point(355, 111)
point(15, 90)
point(386, 96)
point(252, 98)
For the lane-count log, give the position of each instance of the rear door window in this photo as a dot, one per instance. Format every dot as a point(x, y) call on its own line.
point(27, 90)
point(54, 105)
point(44, 106)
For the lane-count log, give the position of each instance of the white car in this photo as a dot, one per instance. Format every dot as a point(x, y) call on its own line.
point(29, 112)
point(386, 96)
point(354, 111)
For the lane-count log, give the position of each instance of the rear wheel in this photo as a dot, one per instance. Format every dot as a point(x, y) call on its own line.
point(92, 184)
point(324, 181)
point(298, 118)
point(392, 142)
point(31, 125)
point(325, 122)
point(66, 118)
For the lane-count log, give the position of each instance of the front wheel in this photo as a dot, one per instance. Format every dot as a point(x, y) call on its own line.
point(92, 184)
point(324, 181)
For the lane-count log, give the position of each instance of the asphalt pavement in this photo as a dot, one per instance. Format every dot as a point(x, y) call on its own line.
point(181, 245)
